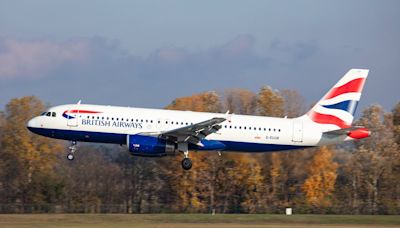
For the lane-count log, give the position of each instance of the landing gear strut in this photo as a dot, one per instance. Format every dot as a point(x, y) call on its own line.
point(72, 150)
point(186, 162)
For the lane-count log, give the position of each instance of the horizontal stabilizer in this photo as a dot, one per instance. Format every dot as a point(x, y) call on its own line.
point(343, 131)
point(356, 132)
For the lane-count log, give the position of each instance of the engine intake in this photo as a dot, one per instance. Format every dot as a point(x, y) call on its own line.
point(149, 146)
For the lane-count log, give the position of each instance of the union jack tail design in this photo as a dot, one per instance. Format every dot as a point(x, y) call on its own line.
point(337, 107)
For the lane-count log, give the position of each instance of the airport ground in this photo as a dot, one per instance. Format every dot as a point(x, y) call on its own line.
point(195, 220)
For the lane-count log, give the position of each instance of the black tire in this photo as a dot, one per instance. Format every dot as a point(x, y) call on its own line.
point(186, 163)
point(70, 157)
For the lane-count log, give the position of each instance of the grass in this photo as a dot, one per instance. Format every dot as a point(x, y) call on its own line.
point(194, 220)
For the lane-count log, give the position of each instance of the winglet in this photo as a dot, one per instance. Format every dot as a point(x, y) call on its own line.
point(228, 116)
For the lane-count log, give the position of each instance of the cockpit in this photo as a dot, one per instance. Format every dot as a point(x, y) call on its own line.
point(51, 114)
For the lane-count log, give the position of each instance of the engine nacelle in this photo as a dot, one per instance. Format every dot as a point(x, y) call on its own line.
point(149, 146)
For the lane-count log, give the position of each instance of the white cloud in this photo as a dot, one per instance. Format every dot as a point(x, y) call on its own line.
point(37, 57)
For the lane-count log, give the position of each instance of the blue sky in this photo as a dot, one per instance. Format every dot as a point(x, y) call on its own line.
point(146, 53)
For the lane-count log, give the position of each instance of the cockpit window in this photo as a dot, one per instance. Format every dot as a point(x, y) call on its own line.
point(43, 114)
point(53, 114)
point(48, 114)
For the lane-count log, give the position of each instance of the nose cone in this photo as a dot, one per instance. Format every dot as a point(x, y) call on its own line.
point(32, 124)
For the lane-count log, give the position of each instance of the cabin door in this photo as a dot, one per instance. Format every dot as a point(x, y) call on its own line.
point(73, 116)
point(297, 131)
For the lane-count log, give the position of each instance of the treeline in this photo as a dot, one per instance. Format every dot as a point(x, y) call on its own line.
point(360, 177)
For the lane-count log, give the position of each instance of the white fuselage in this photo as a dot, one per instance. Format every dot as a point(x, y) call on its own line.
point(245, 133)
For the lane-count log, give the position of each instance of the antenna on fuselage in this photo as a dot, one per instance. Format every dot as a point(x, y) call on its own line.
point(79, 102)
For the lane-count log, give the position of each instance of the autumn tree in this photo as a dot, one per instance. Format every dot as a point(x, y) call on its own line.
point(320, 183)
point(293, 105)
point(269, 102)
point(202, 102)
point(396, 123)
point(240, 101)
point(373, 161)
point(193, 188)
point(28, 159)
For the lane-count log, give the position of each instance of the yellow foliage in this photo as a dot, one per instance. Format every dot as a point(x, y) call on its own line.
point(34, 153)
point(269, 103)
point(319, 185)
point(202, 102)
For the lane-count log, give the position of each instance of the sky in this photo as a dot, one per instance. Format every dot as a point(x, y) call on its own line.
point(146, 53)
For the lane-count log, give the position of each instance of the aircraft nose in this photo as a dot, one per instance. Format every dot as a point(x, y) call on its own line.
point(32, 123)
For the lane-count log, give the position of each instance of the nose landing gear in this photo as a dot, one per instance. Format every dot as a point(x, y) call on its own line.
point(72, 149)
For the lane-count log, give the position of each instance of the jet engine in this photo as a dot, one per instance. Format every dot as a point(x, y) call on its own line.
point(149, 146)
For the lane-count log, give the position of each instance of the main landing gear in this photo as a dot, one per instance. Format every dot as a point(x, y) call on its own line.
point(186, 162)
point(72, 150)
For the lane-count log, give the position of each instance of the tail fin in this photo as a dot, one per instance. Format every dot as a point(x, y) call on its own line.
point(337, 107)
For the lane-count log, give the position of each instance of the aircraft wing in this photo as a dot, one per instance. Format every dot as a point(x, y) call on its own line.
point(194, 133)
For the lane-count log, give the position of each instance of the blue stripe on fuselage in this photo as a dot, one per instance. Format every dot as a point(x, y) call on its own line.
point(103, 137)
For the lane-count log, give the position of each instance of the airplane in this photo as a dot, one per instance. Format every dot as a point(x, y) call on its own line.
point(159, 132)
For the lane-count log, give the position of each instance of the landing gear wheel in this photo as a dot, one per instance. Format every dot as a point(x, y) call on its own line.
point(70, 157)
point(186, 163)
point(72, 150)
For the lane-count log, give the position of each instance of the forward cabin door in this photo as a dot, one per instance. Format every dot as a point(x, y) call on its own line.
point(73, 116)
point(297, 131)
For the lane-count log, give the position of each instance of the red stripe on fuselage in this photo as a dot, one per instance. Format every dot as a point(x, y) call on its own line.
point(327, 119)
point(81, 111)
point(354, 86)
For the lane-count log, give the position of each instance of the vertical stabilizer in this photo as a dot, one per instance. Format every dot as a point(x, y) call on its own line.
point(337, 107)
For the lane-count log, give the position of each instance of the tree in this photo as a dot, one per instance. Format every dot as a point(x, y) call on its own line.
point(192, 187)
point(293, 103)
point(240, 101)
point(28, 159)
point(269, 102)
point(396, 123)
point(320, 183)
point(202, 102)
point(370, 169)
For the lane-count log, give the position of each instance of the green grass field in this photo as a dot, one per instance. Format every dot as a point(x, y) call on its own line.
point(195, 220)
